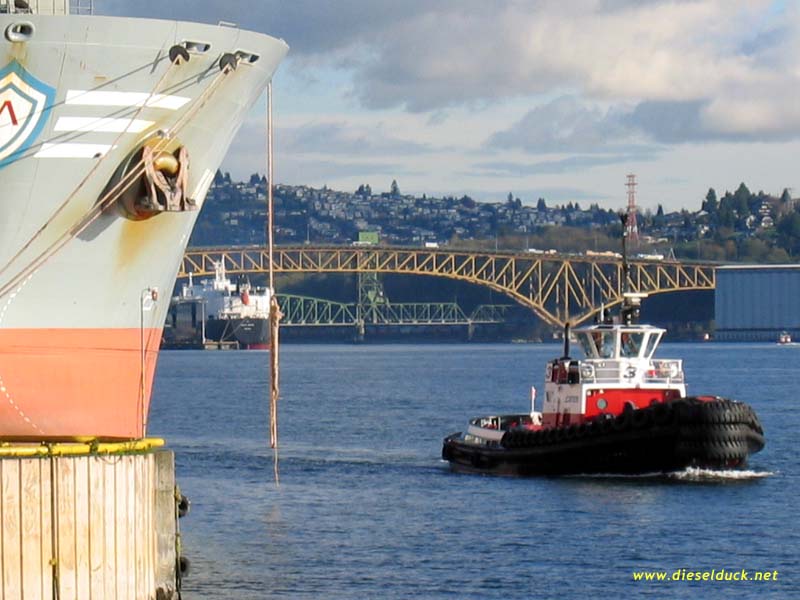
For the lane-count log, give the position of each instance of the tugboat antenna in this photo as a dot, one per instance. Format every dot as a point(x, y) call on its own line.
point(626, 286)
point(629, 313)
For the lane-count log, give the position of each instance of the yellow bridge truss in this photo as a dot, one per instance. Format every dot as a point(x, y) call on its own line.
point(558, 288)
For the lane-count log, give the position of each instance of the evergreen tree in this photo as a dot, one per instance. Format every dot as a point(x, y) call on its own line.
point(741, 199)
point(659, 220)
point(541, 205)
point(788, 229)
point(711, 205)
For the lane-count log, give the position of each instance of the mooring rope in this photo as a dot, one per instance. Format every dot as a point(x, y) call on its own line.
point(274, 320)
point(274, 310)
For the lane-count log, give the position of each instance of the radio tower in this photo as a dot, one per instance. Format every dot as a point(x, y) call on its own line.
point(632, 227)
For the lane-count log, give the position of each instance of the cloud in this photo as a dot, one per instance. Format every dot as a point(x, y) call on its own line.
point(566, 125)
point(736, 118)
point(318, 172)
point(344, 139)
point(670, 122)
point(321, 149)
point(430, 55)
point(655, 50)
point(319, 153)
point(572, 164)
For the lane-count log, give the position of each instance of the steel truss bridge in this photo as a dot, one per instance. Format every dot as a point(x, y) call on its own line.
point(307, 311)
point(558, 288)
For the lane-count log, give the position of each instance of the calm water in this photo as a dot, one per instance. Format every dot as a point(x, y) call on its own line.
point(366, 509)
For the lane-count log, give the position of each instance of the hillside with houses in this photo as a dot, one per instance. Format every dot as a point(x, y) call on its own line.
point(736, 226)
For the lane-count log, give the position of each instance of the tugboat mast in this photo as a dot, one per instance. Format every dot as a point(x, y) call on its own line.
point(631, 302)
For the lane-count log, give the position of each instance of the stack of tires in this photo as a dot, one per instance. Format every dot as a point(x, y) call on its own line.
point(712, 432)
point(717, 432)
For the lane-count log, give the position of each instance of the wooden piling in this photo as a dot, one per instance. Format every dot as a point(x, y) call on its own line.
point(93, 526)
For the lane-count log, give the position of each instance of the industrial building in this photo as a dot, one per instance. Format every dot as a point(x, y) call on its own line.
point(755, 303)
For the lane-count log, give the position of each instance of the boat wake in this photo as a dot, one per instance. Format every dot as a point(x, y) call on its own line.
point(689, 474)
point(697, 474)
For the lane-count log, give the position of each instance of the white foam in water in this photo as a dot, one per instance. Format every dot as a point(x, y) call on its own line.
point(688, 474)
point(697, 474)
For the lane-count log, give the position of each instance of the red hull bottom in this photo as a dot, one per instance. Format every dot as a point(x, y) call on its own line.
point(58, 384)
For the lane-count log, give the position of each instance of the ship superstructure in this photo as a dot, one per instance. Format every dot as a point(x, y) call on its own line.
point(232, 311)
point(618, 371)
point(111, 130)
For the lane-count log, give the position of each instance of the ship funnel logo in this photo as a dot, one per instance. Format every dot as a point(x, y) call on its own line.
point(25, 104)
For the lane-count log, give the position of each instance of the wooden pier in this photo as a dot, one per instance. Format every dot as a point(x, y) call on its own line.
point(94, 526)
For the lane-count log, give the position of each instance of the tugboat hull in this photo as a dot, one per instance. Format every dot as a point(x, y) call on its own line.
point(715, 434)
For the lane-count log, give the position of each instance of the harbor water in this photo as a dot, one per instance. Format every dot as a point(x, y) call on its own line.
point(366, 508)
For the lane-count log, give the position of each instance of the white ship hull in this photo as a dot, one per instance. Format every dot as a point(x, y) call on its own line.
point(77, 316)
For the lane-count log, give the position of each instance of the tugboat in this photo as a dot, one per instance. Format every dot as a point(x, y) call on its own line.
point(618, 410)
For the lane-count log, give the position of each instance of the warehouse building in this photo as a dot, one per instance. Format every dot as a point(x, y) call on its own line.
point(755, 303)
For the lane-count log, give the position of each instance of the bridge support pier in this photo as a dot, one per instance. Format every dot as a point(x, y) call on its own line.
point(360, 330)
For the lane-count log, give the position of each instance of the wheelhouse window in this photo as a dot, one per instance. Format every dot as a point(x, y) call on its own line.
point(631, 343)
point(587, 345)
point(652, 342)
point(605, 342)
point(598, 344)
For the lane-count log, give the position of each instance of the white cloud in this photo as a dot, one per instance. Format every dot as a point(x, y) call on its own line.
point(733, 56)
point(343, 139)
point(566, 125)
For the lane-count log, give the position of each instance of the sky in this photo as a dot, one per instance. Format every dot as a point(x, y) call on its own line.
point(559, 99)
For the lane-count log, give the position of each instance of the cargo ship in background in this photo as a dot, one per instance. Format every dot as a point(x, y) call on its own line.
point(111, 130)
point(219, 312)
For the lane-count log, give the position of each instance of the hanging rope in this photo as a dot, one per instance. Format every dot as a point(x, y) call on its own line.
point(274, 310)
point(274, 327)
